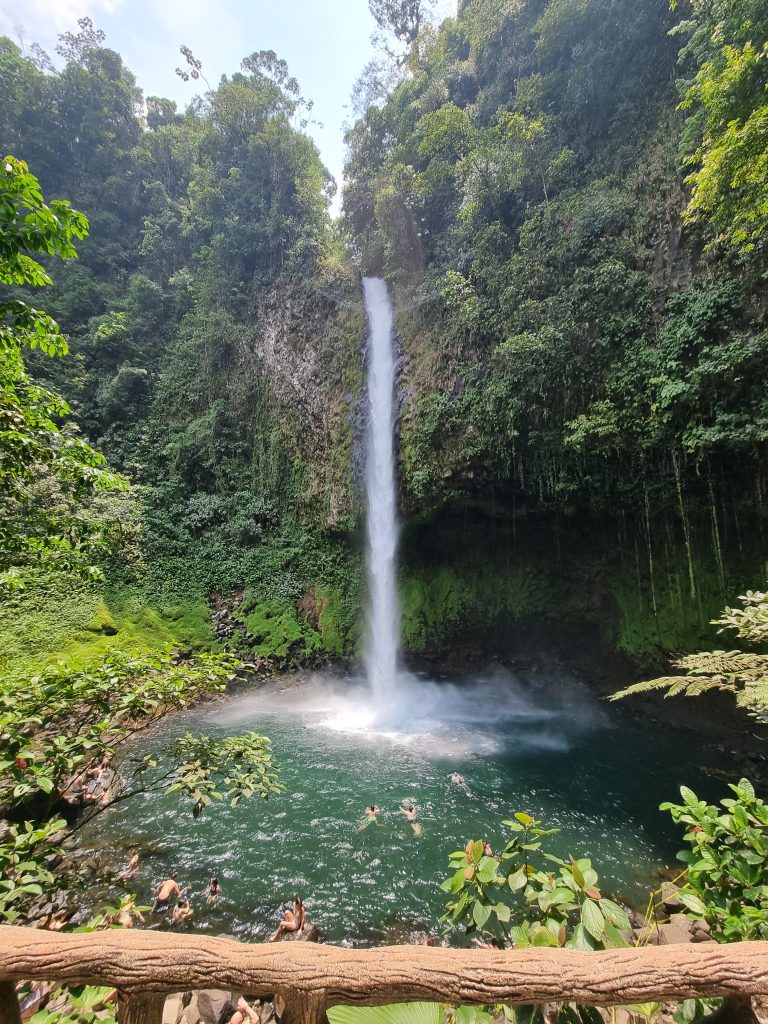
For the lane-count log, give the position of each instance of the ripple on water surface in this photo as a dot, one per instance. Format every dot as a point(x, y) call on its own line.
point(542, 745)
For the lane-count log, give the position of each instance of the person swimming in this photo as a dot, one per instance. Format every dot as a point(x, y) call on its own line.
point(372, 812)
point(458, 780)
point(409, 810)
point(293, 920)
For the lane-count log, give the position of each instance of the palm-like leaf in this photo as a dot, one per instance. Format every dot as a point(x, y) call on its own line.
point(396, 1013)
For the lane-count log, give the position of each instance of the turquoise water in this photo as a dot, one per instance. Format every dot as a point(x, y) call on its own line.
point(541, 745)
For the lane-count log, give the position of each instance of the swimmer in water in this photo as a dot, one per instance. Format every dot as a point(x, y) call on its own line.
point(458, 780)
point(181, 912)
point(487, 851)
point(372, 812)
point(409, 810)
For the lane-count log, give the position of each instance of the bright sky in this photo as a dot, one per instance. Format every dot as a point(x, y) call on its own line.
point(326, 44)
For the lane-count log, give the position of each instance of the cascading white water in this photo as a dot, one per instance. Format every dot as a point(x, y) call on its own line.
point(381, 653)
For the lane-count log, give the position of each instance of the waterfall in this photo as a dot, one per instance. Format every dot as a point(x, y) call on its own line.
point(382, 528)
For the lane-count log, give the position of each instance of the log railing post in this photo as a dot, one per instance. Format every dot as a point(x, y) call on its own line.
point(140, 1007)
point(9, 1004)
point(304, 1007)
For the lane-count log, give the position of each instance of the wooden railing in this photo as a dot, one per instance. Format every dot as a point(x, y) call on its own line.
point(146, 966)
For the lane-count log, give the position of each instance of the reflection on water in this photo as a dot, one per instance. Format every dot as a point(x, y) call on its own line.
point(541, 745)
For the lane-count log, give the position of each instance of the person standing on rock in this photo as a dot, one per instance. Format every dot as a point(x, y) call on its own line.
point(133, 866)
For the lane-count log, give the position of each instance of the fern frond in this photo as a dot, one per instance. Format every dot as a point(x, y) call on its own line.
point(725, 663)
point(645, 687)
point(688, 686)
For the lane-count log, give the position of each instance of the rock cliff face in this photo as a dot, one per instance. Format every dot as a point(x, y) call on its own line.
point(308, 344)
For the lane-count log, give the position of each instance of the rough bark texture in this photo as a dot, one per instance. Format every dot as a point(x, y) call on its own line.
point(9, 1004)
point(142, 961)
point(734, 1010)
point(136, 1008)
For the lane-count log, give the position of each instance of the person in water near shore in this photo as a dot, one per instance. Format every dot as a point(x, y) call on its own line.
point(487, 851)
point(214, 891)
point(372, 811)
point(166, 889)
point(127, 912)
point(293, 920)
point(133, 866)
point(100, 774)
point(181, 912)
point(458, 780)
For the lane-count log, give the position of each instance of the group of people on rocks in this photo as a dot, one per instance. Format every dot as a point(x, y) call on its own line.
point(93, 784)
point(182, 910)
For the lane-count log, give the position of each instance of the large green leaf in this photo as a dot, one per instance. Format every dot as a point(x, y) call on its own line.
point(592, 919)
point(480, 913)
point(396, 1013)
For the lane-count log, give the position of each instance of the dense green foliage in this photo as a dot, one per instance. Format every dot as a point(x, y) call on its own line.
point(729, 125)
point(209, 247)
point(727, 876)
point(47, 474)
point(582, 335)
point(55, 723)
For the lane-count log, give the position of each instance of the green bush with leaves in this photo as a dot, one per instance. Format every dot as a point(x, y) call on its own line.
point(228, 769)
point(26, 852)
point(527, 897)
point(53, 724)
point(727, 877)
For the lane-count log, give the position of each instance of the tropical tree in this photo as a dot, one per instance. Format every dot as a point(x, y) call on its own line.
point(45, 470)
point(727, 134)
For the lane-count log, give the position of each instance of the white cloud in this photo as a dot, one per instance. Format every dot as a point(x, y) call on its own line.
point(42, 20)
